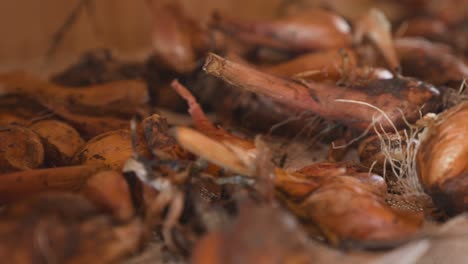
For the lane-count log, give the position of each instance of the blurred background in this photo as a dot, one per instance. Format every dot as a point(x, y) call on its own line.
point(27, 27)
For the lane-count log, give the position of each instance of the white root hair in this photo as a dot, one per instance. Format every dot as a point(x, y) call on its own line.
point(400, 149)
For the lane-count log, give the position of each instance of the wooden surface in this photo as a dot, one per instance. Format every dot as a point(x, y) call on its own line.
point(27, 27)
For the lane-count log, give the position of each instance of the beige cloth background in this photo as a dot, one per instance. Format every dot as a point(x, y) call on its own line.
point(27, 26)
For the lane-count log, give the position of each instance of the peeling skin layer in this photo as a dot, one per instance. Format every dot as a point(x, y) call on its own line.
point(369, 99)
point(329, 62)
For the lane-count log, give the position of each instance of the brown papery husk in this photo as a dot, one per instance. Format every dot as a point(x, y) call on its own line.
point(18, 185)
point(64, 228)
point(370, 222)
point(442, 160)
point(433, 62)
point(384, 100)
point(310, 30)
point(111, 149)
point(333, 169)
point(20, 149)
point(332, 63)
point(114, 98)
point(61, 141)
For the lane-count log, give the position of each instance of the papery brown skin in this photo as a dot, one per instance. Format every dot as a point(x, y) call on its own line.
point(392, 96)
point(15, 186)
point(177, 39)
point(333, 169)
point(109, 191)
point(442, 160)
point(60, 140)
point(432, 62)
point(330, 201)
point(64, 228)
point(330, 63)
point(274, 237)
point(369, 220)
point(110, 149)
point(20, 149)
point(299, 184)
point(311, 30)
point(120, 97)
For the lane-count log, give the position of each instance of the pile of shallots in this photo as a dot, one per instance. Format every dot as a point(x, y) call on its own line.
point(335, 134)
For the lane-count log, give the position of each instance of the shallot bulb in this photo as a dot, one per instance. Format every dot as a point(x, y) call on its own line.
point(311, 30)
point(442, 159)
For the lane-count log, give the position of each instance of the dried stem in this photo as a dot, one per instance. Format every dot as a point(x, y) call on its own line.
point(321, 99)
